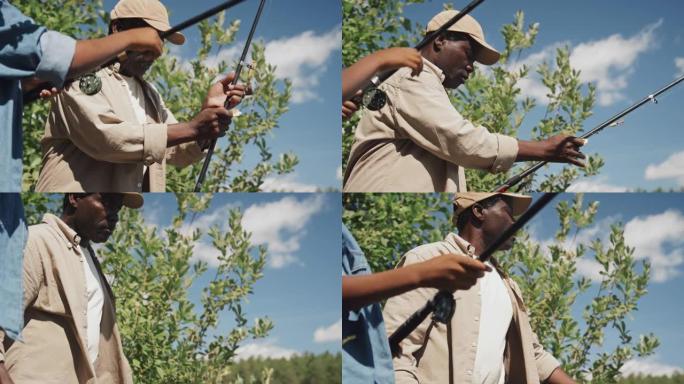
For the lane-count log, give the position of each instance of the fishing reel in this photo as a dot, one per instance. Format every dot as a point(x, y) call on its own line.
point(444, 307)
point(373, 98)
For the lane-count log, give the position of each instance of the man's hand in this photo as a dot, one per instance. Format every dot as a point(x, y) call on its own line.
point(451, 272)
point(555, 149)
point(211, 123)
point(4, 375)
point(393, 58)
point(223, 90)
point(349, 108)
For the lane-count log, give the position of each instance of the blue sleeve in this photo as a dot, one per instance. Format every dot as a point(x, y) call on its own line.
point(28, 49)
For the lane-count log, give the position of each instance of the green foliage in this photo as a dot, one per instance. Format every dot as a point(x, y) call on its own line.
point(490, 97)
point(166, 338)
point(392, 223)
point(298, 369)
point(183, 86)
point(674, 379)
point(545, 273)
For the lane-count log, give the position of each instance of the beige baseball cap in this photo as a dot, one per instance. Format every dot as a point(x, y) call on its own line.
point(133, 200)
point(152, 11)
point(464, 200)
point(467, 24)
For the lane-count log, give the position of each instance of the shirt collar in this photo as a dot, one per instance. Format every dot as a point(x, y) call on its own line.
point(71, 237)
point(432, 67)
point(460, 243)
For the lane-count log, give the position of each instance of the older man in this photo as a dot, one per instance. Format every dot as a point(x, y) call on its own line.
point(111, 132)
point(418, 142)
point(489, 339)
point(70, 333)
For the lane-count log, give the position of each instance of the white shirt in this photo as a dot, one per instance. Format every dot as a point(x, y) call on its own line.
point(95, 296)
point(496, 314)
point(136, 96)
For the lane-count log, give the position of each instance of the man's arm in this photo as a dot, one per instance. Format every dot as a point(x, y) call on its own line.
point(91, 53)
point(359, 74)
point(556, 149)
point(558, 376)
point(4, 375)
point(447, 272)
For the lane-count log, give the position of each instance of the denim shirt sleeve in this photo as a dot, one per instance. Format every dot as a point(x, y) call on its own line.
point(28, 49)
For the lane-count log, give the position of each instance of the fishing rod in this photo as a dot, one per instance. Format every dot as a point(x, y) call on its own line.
point(443, 305)
point(613, 121)
point(34, 94)
point(374, 98)
point(227, 105)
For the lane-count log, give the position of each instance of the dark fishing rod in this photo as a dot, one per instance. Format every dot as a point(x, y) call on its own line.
point(443, 305)
point(615, 120)
point(227, 105)
point(374, 98)
point(34, 94)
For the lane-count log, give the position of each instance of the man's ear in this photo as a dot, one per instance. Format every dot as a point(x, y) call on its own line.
point(438, 43)
point(478, 212)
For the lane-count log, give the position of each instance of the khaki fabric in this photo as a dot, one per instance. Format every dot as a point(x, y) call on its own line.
point(418, 142)
point(93, 143)
point(53, 347)
point(425, 353)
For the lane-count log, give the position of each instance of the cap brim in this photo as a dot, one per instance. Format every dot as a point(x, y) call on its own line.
point(176, 38)
point(133, 200)
point(519, 203)
point(486, 55)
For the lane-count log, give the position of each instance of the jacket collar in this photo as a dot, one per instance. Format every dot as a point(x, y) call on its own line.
point(69, 234)
point(432, 67)
point(468, 249)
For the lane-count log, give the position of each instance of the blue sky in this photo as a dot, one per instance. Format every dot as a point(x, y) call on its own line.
point(654, 226)
point(303, 39)
point(300, 290)
point(630, 49)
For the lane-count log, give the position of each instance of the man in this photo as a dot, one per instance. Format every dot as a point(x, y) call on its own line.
point(70, 333)
point(111, 132)
point(29, 52)
point(365, 352)
point(489, 339)
point(29, 55)
point(418, 142)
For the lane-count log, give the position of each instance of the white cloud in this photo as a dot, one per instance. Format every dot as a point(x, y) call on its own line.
point(300, 58)
point(264, 349)
point(595, 184)
point(338, 173)
point(280, 225)
point(679, 63)
point(607, 62)
point(671, 168)
point(660, 239)
point(306, 66)
point(648, 366)
point(330, 333)
point(286, 183)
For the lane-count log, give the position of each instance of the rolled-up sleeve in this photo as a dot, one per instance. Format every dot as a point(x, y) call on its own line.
point(58, 52)
point(94, 127)
point(546, 363)
point(28, 49)
point(425, 115)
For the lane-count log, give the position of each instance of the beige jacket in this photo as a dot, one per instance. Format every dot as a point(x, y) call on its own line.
point(440, 354)
point(93, 143)
point(54, 348)
point(418, 142)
